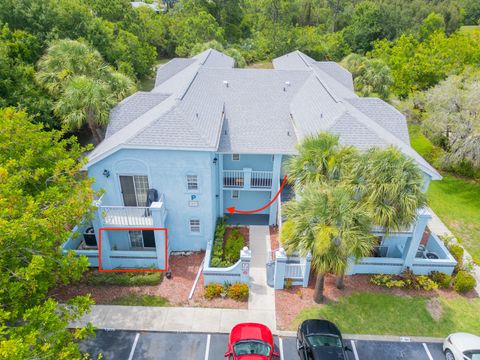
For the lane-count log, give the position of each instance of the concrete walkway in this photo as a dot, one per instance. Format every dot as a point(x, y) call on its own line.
point(261, 305)
point(439, 228)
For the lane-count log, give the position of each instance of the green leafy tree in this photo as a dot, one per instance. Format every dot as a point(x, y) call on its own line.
point(432, 23)
point(83, 86)
point(42, 195)
point(232, 52)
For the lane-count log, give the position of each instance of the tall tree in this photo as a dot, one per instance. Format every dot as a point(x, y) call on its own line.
point(83, 86)
point(41, 196)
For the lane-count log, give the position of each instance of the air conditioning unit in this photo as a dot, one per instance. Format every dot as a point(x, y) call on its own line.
point(89, 237)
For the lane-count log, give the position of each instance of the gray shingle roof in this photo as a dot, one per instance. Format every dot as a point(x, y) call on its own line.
point(131, 108)
point(174, 66)
point(208, 105)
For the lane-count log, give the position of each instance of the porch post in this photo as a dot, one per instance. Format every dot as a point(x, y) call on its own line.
point(247, 178)
point(418, 230)
point(277, 167)
point(97, 223)
point(158, 209)
point(245, 257)
point(220, 184)
point(280, 265)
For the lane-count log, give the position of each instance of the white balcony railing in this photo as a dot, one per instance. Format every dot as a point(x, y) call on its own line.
point(127, 215)
point(233, 178)
point(294, 271)
point(261, 179)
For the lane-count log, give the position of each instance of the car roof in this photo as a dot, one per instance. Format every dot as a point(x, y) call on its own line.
point(251, 331)
point(319, 326)
point(465, 341)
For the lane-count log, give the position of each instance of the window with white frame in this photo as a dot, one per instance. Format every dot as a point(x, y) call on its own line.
point(136, 238)
point(192, 182)
point(194, 225)
point(235, 157)
point(235, 194)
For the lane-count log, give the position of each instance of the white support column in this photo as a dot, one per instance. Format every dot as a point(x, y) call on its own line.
point(158, 209)
point(422, 220)
point(247, 178)
point(245, 258)
point(220, 184)
point(306, 275)
point(277, 167)
point(280, 264)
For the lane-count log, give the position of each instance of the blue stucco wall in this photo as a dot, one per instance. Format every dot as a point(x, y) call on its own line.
point(166, 171)
point(254, 162)
point(249, 200)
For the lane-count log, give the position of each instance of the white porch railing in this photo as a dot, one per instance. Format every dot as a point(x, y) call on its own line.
point(294, 271)
point(261, 179)
point(233, 178)
point(126, 215)
point(377, 229)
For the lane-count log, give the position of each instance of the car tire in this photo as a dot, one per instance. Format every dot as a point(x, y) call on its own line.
point(449, 355)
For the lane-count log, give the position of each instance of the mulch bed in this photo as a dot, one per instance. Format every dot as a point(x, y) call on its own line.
point(290, 302)
point(176, 290)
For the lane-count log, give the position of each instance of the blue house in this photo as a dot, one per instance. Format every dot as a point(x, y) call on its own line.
point(210, 136)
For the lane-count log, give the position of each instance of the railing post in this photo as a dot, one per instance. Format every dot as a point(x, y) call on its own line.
point(245, 257)
point(157, 209)
point(306, 274)
point(247, 178)
point(277, 165)
point(280, 265)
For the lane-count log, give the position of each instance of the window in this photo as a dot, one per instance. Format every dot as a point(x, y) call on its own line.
point(134, 190)
point(136, 238)
point(192, 182)
point(235, 194)
point(194, 226)
point(235, 157)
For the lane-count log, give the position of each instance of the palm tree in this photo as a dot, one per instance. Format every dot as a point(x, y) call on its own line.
point(320, 158)
point(391, 186)
point(329, 224)
point(84, 87)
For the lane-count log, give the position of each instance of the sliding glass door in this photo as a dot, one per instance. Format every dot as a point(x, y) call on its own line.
point(134, 190)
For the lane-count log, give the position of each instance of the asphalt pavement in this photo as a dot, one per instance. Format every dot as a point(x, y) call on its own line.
point(131, 345)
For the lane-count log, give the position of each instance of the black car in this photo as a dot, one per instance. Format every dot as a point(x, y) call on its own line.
point(320, 340)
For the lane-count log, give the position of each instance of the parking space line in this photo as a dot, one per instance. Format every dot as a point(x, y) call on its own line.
point(207, 349)
point(280, 347)
point(134, 346)
point(427, 351)
point(354, 348)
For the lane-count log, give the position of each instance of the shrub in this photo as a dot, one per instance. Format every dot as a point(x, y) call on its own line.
point(388, 281)
point(288, 283)
point(213, 291)
point(425, 283)
point(406, 280)
point(464, 282)
point(457, 252)
point(233, 246)
point(124, 279)
point(441, 279)
point(238, 292)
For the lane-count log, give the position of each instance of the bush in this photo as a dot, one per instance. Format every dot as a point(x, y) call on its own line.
point(123, 279)
point(407, 280)
point(233, 246)
point(464, 282)
point(213, 291)
point(441, 279)
point(457, 252)
point(288, 283)
point(238, 292)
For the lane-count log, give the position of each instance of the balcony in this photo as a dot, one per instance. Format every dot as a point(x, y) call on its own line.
point(247, 179)
point(142, 216)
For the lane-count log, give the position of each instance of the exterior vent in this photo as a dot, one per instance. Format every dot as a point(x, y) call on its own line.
point(287, 83)
point(225, 82)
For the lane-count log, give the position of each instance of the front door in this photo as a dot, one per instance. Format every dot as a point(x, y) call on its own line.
point(134, 190)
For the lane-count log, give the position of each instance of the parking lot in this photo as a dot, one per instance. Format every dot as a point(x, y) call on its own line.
point(128, 345)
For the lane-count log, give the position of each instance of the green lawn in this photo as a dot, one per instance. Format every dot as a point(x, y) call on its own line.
point(470, 28)
point(457, 202)
point(140, 300)
point(383, 314)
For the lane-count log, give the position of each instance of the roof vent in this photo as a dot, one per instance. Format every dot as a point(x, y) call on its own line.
point(321, 115)
point(287, 83)
point(225, 82)
point(288, 132)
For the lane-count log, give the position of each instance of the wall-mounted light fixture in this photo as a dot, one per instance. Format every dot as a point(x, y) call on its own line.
point(215, 160)
point(106, 173)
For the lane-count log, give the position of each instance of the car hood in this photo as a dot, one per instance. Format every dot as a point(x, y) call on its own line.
point(465, 341)
point(328, 353)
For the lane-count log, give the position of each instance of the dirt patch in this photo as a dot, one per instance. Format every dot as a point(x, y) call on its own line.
point(435, 308)
point(290, 302)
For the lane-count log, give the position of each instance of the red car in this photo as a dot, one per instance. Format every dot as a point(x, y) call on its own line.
point(251, 341)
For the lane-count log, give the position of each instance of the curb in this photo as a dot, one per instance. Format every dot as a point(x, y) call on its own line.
point(394, 338)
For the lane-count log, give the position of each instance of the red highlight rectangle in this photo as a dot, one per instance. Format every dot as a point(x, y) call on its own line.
point(100, 269)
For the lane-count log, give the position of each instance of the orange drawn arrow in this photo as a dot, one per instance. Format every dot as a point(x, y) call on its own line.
point(232, 209)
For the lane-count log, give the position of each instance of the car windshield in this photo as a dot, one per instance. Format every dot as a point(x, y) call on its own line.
point(318, 340)
point(472, 355)
point(251, 347)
